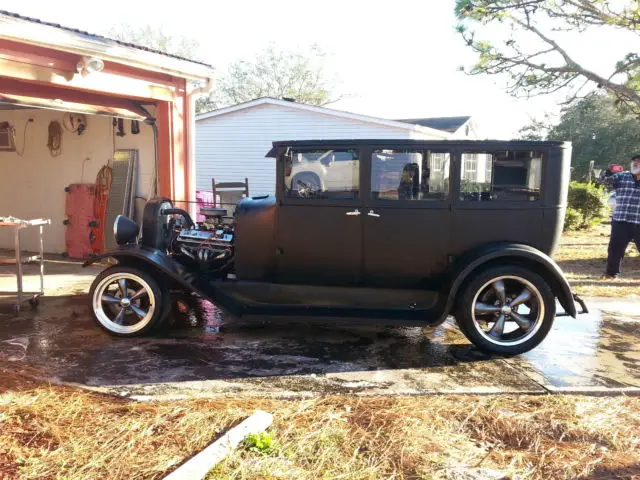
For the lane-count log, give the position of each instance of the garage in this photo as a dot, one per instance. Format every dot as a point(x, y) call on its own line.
point(74, 108)
point(46, 150)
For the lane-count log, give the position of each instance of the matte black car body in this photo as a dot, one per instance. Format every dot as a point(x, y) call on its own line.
point(395, 261)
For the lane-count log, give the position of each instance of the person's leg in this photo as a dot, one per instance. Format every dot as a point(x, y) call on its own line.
point(636, 236)
point(621, 235)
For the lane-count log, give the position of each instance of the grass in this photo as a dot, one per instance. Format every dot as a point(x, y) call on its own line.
point(582, 256)
point(58, 432)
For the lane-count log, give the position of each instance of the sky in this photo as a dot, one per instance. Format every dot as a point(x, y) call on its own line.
point(392, 59)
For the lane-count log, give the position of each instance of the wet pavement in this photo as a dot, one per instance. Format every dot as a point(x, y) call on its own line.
point(205, 354)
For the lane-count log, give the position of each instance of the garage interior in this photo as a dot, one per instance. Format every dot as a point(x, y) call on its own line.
point(44, 150)
point(50, 150)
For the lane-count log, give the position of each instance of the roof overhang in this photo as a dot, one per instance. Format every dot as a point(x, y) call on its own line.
point(48, 36)
point(326, 111)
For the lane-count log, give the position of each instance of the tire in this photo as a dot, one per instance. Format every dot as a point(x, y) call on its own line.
point(311, 180)
point(154, 301)
point(510, 327)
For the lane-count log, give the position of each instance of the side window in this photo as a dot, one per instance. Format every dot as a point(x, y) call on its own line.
point(501, 176)
point(409, 175)
point(325, 174)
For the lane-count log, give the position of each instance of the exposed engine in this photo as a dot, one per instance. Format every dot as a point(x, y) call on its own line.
point(207, 245)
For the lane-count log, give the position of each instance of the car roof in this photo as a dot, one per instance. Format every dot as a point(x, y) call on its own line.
point(493, 144)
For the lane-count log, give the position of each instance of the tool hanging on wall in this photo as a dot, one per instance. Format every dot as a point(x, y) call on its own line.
point(74, 122)
point(20, 151)
point(119, 124)
point(135, 127)
point(54, 142)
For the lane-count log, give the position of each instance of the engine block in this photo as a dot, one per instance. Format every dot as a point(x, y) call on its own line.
point(205, 237)
point(210, 249)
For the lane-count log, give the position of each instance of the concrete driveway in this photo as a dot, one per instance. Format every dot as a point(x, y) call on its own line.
point(204, 354)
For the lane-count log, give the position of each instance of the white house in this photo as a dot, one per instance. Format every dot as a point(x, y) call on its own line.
point(231, 143)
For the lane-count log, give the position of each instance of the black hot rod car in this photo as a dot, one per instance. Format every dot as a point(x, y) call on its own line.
point(386, 231)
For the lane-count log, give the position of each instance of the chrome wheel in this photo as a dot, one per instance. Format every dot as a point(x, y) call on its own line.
point(123, 303)
point(306, 185)
point(508, 310)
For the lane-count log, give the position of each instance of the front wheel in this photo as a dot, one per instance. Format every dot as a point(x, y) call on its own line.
point(506, 310)
point(128, 302)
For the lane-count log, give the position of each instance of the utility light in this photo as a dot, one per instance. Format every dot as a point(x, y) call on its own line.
point(89, 65)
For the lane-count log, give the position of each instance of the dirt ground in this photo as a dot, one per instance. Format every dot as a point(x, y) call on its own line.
point(582, 256)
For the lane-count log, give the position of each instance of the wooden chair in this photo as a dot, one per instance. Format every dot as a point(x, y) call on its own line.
point(230, 193)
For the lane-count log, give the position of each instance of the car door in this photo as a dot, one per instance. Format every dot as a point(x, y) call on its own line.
point(319, 239)
point(407, 217)
point(499, 199)
point(341, 169)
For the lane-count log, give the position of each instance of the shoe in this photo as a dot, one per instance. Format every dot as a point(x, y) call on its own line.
point(608, 276)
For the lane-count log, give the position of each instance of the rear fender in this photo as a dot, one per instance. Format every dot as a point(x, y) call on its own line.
point(508, 254)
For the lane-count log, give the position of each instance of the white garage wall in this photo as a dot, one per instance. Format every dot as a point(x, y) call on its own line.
point(233, 146)
point(32, 186)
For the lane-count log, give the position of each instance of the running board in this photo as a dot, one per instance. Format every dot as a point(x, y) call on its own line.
point(245, 306)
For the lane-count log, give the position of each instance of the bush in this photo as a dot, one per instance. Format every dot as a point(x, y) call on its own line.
point(572, 219)
point(263, 443)
point(587, 206)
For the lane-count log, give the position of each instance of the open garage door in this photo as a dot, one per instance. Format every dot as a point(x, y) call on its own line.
point(55, 98)
point(73, 107)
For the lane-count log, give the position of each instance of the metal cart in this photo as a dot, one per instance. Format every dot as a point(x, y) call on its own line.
point(20, 295)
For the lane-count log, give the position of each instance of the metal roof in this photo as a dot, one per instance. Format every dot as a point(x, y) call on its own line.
point(448, 124)
point(412, 141)
point(415, 143)
point(88, 40)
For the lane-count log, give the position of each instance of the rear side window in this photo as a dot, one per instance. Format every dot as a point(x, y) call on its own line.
point(322, 174)
point(501, 176)
point(409, 175)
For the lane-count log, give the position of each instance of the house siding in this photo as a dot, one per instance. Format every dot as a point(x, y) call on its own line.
point(233, 146)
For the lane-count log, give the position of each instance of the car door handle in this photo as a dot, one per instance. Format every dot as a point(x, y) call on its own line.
point(355, 213)
point(373, 214)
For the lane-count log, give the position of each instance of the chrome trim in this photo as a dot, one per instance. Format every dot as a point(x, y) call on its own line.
point(115, 228)
point(502, 314)
point(105, 319)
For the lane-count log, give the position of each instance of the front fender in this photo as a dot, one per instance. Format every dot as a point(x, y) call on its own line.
point(150, 259)
point(174, 273)
point(506, 253)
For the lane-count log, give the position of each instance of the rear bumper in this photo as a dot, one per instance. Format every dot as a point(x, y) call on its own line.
point(580, 301)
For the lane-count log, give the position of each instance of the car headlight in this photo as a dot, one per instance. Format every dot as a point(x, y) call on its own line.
point(125, 230)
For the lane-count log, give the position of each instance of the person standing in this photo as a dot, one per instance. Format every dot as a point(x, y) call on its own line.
point(625, 225)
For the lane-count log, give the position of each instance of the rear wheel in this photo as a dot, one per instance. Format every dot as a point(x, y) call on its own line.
point(128, 302)
point(506, 310)
point(306, 184)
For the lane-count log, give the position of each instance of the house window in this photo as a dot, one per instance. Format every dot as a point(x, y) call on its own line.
point(409, 175)
point(501, 175)
point(6, 138)
point(327, 174)
point(470, 167)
